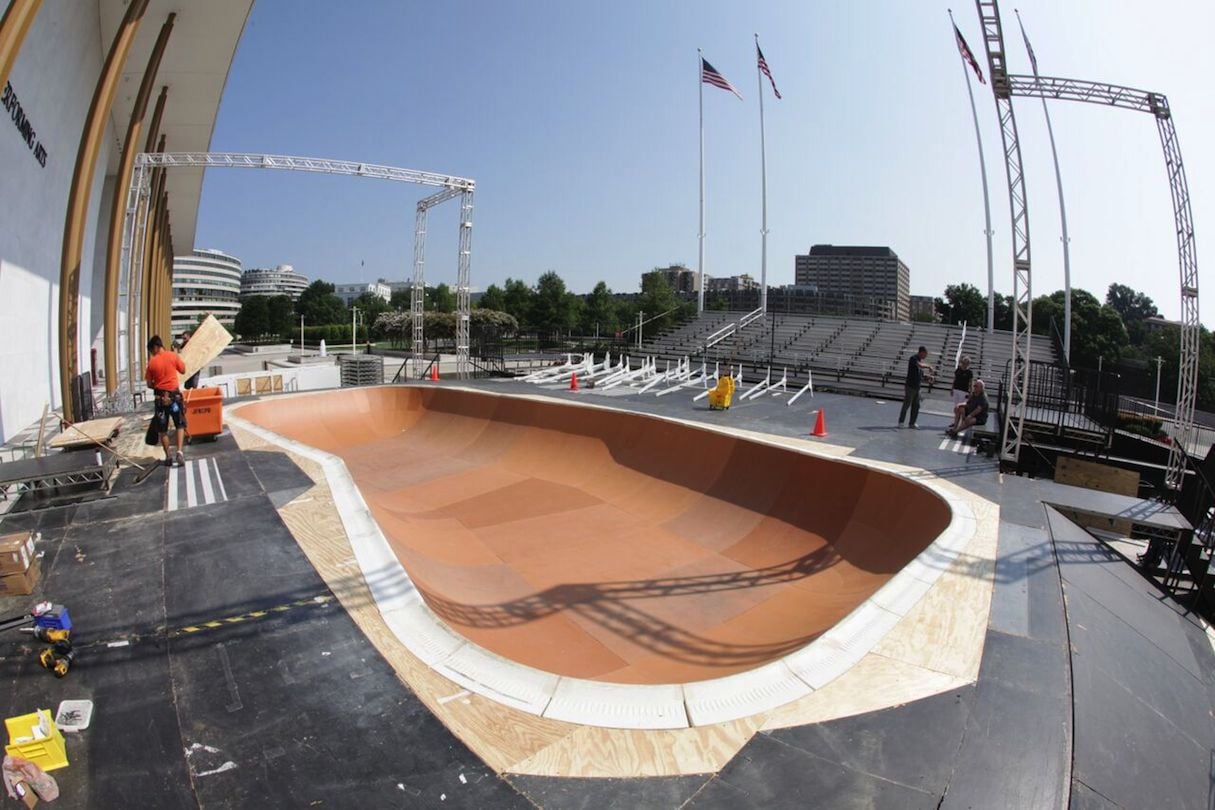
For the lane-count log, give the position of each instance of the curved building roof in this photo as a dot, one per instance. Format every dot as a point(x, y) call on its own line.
point(195, 68)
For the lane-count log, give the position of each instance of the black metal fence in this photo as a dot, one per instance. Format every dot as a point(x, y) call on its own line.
point(1070, 405)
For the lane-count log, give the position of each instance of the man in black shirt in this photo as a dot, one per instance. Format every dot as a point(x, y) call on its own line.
point(917, 369)
point(974, 412)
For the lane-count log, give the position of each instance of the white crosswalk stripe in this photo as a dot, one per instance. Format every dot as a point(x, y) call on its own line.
point(198, 483)
point(956, 446)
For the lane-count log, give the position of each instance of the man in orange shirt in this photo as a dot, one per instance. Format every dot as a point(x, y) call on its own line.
point(162, 377)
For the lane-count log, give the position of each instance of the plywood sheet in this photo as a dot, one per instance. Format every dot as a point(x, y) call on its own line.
point(91, 432)
point(1092, 475)
point(206, 343)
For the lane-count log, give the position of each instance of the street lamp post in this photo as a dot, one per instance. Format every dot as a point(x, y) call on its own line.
point(301, 340)
point(354, 326)
point(1159, 363)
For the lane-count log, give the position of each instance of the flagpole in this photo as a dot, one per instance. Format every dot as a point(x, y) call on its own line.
point(987, 231)
point(700, 257)
point(1067, 269)
point(763, 171)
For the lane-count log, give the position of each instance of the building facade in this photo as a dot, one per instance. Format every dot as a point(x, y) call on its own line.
point(874, 277)
point(924, 308)
point(349, 293)
point(55, 320)
point(281, 280)
point(679, 278)
point(205, 282)
point(730, 284)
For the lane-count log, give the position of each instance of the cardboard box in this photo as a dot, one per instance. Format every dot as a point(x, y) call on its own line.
point(26, 794)
point(16, 552)
point(21, 584)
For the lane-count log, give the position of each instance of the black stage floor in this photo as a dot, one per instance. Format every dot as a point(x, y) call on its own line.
point(1102, 700)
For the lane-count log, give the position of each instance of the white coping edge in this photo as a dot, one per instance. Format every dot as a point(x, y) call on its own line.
point(614, 705)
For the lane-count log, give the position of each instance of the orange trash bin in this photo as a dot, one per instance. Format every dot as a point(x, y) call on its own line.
point(204, 412)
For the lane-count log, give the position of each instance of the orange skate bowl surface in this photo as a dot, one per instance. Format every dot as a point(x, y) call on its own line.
point(611, 546)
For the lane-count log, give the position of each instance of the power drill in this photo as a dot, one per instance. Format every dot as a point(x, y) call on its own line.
point(53, 625)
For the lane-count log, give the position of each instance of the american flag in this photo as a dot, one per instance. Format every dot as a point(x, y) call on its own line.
point(763, 67)
point(964, 49)
point(1033, 60)
point(708, 75)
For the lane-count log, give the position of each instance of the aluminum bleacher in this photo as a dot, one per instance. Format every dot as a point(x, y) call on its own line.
point(858, 355)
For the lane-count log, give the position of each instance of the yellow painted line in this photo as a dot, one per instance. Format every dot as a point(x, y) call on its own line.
point(320, 599)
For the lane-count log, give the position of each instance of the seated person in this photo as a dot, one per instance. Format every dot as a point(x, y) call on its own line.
point(972, 412)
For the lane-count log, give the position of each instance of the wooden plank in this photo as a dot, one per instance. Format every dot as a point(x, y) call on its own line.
point(207, 342)
point(87, 433)
point(1091, 475)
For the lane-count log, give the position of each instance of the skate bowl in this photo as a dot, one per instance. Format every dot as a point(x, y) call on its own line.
point(603, 548)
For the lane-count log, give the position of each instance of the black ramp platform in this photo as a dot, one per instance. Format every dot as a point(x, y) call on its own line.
point(1141, 667)
point(291, 709)
point(58, 470)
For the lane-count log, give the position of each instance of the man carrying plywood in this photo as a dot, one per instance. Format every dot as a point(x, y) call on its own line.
point(161, 376)
point(206, 343)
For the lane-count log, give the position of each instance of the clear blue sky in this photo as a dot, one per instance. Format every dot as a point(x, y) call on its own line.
point(579, 124)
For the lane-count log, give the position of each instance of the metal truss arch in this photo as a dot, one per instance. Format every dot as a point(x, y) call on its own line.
point(135, 233)
point(1006, 86)
point(242, 160)
point(1157, 105)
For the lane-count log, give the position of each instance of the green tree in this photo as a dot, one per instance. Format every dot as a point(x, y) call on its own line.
point(370, 307)
point(964, 302)
point(253, 319)
point(440, 299)
point(280, 310)
point(491, 324)
point(657, 301)
point(1098, 335)
point(493, 298)
point(1134, 307)
point(600, 315)
point(439, 326)
point(518, 302)
point(1048, 308)
point(1165, 343)
point(395, 326)
point(554, 309)
point(401, 299)
point(320, 306)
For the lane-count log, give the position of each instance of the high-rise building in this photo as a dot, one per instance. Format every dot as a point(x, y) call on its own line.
point(679, 278)
point(874, 277)
point(281, 280)
point(206, 281)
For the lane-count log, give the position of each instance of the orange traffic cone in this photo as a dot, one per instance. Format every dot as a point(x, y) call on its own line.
point(434, 372)
point(820, 426)
point(574, 381)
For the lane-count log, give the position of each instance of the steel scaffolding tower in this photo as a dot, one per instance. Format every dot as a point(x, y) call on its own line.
point(1023, 302)
point(1004, 87)
point(417, 292)
point(138, 204)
